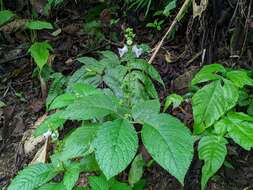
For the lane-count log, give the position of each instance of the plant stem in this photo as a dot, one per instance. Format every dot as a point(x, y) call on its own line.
point(175, 21)
point(43, 87)
point(1, 5)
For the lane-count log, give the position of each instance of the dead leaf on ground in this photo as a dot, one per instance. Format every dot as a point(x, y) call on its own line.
point(198, 9)
point(19, 126)
point(41, 155)
point(30, 142)
point(183, 81)
point(36, 105)
point(15, 25)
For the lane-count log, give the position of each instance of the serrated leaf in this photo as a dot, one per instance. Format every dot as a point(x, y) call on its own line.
point(71, 176)
point(173, 147)
point(38, 25)
point(51, 123)
point(92, 64)
point(62, 101)
point(82, 76)
point(239, 78)
point(139, 86)
point(77, 143)
point(212, 150)
point(90, 107)
point(136, 170)
point(32, 177)
point(173, 99)
point(40, 53)
point(115, 146)
point(110, 58)
point(143, 65)
point(209, 73)
point(98, 183)
point(113, 78)
point(56, 88)
point(52, 186)
point(240, 129)
point(81, 89)
point(212, 102)
point(145, 109)
point(5, 16)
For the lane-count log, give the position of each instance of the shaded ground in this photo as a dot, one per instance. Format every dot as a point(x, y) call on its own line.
point(177, 62)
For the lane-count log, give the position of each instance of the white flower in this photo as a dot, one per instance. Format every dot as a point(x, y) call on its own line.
point(123, 50)
point(47, 134)
point(137, 51)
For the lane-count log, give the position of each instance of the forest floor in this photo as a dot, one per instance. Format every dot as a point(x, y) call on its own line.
point(177, 62)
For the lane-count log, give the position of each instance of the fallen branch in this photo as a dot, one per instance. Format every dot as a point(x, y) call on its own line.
point(177, 19)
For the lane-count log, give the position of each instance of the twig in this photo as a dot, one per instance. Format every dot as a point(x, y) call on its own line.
point(177, 19)
point(3, 61)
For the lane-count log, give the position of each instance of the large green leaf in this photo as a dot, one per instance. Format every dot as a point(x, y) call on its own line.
point(143, 65)
point(145, 109)
point(212, 150)
point(110, 59)
point(139, 86)
point(62, 101)
point(169, 142)
point(209, 73)
point(113, 78)
point(32, 177)
point(90, 107)
point(85, 77)
point(52, 186)
point(71, 176)
point(38, 25)
point(212, 102)
point(98, 183)
point(92, 64)
point(51, 123)
point(40, 53)
point(240, 78)
point(77, 91)
point(116, 145)
point(5, 16)
point(240, 129)
point(77, 143)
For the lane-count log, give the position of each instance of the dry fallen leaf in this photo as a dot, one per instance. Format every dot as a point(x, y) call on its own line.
point(198, 9)
point(41, 155)
point(15, 25)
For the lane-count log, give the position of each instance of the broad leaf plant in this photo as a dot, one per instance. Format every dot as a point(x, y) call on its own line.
point(109, 133)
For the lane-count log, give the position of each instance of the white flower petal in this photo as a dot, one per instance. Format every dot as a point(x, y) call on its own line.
point(47, 134)
point(137, 51)
point(123, 50)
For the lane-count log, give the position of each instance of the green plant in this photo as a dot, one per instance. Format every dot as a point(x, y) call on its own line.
point(2, 104)
point(39, 50)
point(6, 16)
point(155, 25)
point(107, 140)
point(215, 116)
point(166, 5)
